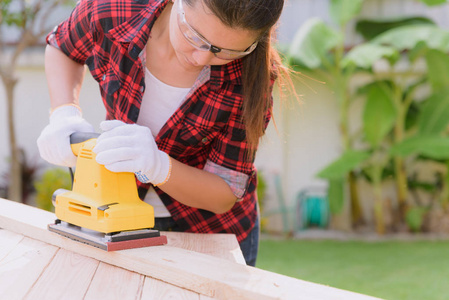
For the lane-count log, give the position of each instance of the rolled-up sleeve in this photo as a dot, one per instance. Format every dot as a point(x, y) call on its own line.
point(74, 35)
point(237, 181)
point(230, 157)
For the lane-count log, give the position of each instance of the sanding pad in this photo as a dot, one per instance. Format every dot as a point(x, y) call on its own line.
point(107, 242)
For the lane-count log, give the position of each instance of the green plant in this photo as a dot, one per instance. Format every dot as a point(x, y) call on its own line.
point(261, 197)
point(50, 181)
point(414, 218)
point(390, 94)
point(28, 172)
point(319, 47)
point(29, 20)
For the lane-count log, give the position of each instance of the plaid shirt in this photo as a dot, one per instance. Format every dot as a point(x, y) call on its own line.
point(206, 131)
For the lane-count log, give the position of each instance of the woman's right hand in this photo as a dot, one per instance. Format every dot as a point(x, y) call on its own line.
point(54, 141)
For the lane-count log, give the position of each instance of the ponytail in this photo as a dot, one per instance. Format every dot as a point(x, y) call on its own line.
point(260, 69)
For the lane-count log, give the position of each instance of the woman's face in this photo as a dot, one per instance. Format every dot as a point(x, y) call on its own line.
point(198, 19)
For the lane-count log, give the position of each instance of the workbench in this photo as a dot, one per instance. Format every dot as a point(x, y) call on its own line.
point(38, 264)
point(30, 269)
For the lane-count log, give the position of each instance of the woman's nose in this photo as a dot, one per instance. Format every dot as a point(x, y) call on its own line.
point(203, 57)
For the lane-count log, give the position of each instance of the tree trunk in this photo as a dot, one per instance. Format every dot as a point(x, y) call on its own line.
point(399, 167)
point(401, 176)
point(15, 176)
point(379, 216)
point(355, 218)
point(402, 189)
point(30, 33)
point(378, 200)
point(445, 193)
point(356, 209)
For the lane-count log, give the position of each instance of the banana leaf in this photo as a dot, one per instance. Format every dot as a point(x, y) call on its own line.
point(432, 146)
point(434, 2)
point(408, 37)
point(312, 43)
point(365, 55)
point(379, 114)
point(434, 117)
point(369, 29)
point(338, 169)
point(438, 69)
point(342, 11)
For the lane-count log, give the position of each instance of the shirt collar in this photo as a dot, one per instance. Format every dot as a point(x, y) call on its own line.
point(231, 72)
point(136, 30)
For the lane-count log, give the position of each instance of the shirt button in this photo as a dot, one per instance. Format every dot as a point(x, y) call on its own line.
point(204, 140)
point(104, 77)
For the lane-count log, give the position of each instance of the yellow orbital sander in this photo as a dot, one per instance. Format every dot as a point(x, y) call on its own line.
point(103, 208)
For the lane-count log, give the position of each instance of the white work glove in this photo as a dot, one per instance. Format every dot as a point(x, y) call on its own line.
point(131, 148)
point(54, 141)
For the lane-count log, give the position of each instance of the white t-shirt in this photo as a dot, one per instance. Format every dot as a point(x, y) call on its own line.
point(159, 102)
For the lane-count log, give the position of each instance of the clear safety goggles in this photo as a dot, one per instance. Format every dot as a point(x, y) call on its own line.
point(199, 42)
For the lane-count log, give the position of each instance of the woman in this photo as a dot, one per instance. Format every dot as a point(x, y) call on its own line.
point(187, 89)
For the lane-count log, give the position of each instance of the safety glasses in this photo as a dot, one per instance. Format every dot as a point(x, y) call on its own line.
point(199, 42)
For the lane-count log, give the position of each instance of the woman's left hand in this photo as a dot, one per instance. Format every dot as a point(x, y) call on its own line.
point(131, 148)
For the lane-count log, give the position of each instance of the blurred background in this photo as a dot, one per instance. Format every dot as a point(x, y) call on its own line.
point(360, 156)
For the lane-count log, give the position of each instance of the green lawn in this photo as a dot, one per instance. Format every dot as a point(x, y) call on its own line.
point(388, 270)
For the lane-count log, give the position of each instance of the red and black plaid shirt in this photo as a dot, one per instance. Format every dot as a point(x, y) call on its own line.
point(108, 36)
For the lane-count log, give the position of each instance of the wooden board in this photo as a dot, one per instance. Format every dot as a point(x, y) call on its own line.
point(111, 283)
point(218, 245)
point(27, 260)
point(67, 277)
point(8, 240)
point(200, 273)
point(155, 289)
point(22, 267)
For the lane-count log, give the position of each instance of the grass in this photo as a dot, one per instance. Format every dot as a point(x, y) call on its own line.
point(388, 270)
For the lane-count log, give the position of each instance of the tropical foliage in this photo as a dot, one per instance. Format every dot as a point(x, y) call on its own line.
point(400, 57)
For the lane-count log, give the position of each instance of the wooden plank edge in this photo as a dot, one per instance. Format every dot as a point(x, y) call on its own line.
point(200, 273)
point(222, 245)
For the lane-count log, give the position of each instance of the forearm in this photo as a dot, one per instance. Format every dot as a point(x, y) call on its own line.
point(198, 188)
point(64, 77)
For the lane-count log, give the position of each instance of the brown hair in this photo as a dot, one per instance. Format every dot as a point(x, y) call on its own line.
point(259, 67)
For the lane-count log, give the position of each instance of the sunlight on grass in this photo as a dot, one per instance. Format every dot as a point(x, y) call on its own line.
point(389, 270)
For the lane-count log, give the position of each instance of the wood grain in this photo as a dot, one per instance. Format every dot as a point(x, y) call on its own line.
point(112, 283)
point(22, 267)
point(204, 274)
point(8, 241)
point(155, 289)
point(67, 277)
point(219, 245)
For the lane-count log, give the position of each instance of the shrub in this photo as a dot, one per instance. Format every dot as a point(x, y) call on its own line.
point(50, 181)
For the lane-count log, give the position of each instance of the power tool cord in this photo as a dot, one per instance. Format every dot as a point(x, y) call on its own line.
point(71, 175)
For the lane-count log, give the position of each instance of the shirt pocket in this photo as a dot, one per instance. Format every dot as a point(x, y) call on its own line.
point(196, 136)
point(109, 84)
point(104, 74)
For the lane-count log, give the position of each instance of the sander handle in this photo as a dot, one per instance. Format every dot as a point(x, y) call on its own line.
point(79, 137)
point(77, 140)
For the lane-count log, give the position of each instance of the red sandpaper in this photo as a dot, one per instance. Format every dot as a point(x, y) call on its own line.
point(147, 242)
